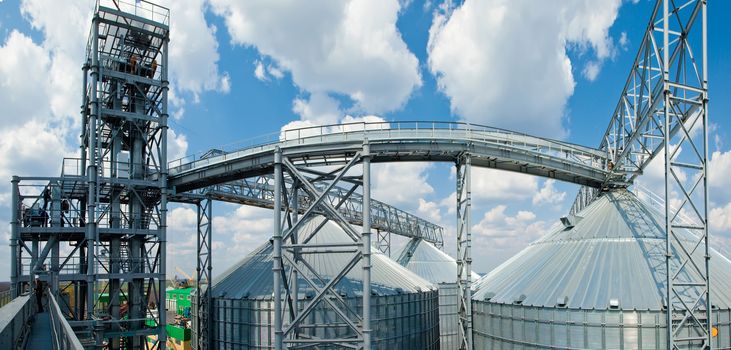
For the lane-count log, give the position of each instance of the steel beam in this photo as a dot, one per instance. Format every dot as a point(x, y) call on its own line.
point(15, 285)
point(366, 246)
point(259, 192)
point(314, 187)
point(203, 274)
point(662, 111)
point(464, 251)
point(397, 142)
point(277, 252)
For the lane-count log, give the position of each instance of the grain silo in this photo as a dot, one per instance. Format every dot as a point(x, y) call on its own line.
point(437, 267)
point(597, 285)
point(404, 307)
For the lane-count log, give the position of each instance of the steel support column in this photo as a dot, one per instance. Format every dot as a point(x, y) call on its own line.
point(464, 254)
point(687, 261)
point(315, 187)
point(92, 172)
point(15, 288)
point(277, 251)
point(366, 244)
point(203, 274)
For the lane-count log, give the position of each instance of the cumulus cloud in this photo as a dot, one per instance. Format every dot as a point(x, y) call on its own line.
point(505, 63)
point(491, 184)
point(23, 65)
point(194, 49)
point(177, 145)
point(500, 234)
point(350, 48)
point(719, 219)
point(718, 179)
point(319, 108)
point(548, 194)
point(401, 184)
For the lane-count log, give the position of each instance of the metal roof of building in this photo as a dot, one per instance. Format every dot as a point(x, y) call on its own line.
point(252, 277)
point(427, 261)
point(614, 251)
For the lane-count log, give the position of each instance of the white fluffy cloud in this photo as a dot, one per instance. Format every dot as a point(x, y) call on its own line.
point(719, 219)
point(718, 176)
point(22, 65)
point(319, 109)
point(548, 194)
point(194, 50)
point(504, 63)
point(401, 184)
point(491, 184)
point(350, 48)
point(500, 234)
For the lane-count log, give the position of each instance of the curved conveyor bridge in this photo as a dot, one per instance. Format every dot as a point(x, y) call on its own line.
point(322, 170)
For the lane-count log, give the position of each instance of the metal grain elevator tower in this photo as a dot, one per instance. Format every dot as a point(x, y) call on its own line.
point(101, 224)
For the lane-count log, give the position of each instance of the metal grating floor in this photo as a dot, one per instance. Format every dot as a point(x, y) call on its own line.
point(40, 333)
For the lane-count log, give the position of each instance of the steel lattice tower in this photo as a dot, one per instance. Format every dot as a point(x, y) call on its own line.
point(102, 223)
point(124, 144)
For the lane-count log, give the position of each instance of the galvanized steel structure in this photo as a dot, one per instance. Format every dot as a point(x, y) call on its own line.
point(105, 206)
point(296, 157)
point(662, 111)
point(100, 226)
point(599, 283)
point(404, 306)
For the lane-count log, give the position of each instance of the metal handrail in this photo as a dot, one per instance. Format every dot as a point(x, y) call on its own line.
point(62, 335)
point(397, 128)
point(140, 8)
point(15, 318)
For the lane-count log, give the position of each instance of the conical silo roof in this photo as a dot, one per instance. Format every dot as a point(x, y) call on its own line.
point(427, 261)
point(252, 277)
point(616, 250)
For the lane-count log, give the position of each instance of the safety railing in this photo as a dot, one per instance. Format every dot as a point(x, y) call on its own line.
point(62, 335)
point(15, 318)
point(140, 8)
point(402, 129)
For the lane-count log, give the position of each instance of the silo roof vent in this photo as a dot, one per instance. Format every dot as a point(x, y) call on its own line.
point(562, 301)
point(569, 221)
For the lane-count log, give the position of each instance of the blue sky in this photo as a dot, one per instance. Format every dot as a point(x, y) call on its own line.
point(242, 69)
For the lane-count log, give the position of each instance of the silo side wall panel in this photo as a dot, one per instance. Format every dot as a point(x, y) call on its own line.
point(405, 321)
point(500, 326)
point(448, 319)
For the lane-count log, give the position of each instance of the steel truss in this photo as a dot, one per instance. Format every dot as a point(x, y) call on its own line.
point(100, 227)
point(386, 219)
point(290, 311)
point(464, 250)
point(204, 268)
point(662, 111)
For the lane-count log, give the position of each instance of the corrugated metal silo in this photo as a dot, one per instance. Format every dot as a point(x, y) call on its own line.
point(404, 307)
point(597, 285)
point(437, 267)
